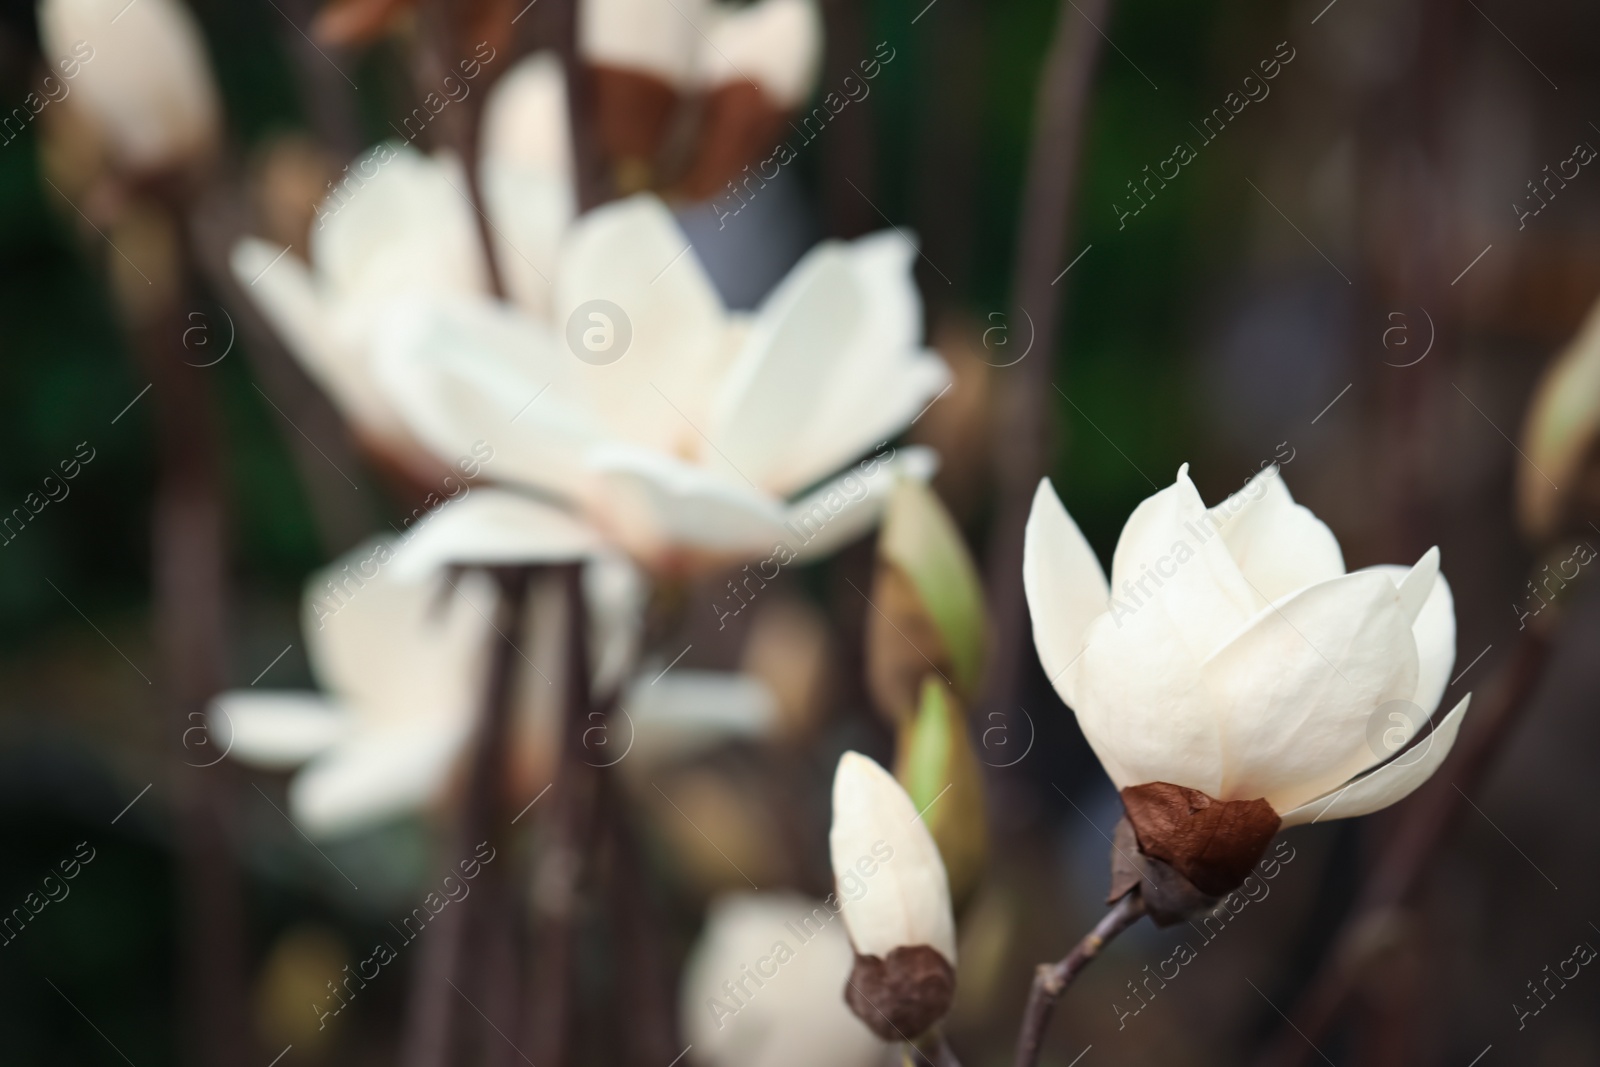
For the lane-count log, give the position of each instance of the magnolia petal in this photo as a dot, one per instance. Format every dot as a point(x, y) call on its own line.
point(489, 527)
point(525, 120)
point(1280, 546)
point(616, 594)
point(1418, 584)
point(1435, 634)
point(272, 730)
point(660, 37)
point(1297, 688)
point(633, 254)
point(375, 776)
point(467, 375)
point(684, 712)
point(653, 503)
point(397, 651)
point(1065, 586)
point(800, 953)
point(833, 515)
point(775, 43)
point(905, 901)
point(1169, 559)
point(1142, 702)
point(1392, 782)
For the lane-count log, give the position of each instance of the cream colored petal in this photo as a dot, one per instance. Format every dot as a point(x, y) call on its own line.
point(488, 527)
point(1297, 689)
point(469, 377)
point(1142, 702)
point(525, 120)
point(274, 730)
point(654, 504)
point(1392, 782)
point(375, 776)
point(1279, 545)
point(831, 516)
point(141, 73)
point(616, 593)
point(832, 365)
point(791, 1014)
point(1435, 633)
point(1065, 586)
point(632, 255)
point(397, 651)
point(659, 37)
point(1171, 559)
point(905, 899)
point(775, 43)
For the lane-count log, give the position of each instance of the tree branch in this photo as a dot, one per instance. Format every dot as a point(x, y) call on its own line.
point(1052, 979)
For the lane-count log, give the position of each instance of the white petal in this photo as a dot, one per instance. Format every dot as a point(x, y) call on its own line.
point(775, 43)
point(659, 37)
point(684, 712)
point(146, 82)
point(1435, 634)
point(397, 651)
point(375, 776)
point(1279, 545)
point(1417, 585)
point(1170, 559)
point(527, 177)
point(468, 375)
point(905, 899)
point(832, 366)
point(633, 254)
point(487, 527)
point(1298, 687)
point(1065, 586)
point(797, 1017)
point(1142, 702)
point(654, 504)
point(270, 729)
point(616, 593)
point(830, 517)
point(1392, 782)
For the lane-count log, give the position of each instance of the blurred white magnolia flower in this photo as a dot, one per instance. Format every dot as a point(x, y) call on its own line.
point(690, 440)
point(895, 898)
point(761, 987)
point(1232, 655)
point(402, 653)
point(148, 85)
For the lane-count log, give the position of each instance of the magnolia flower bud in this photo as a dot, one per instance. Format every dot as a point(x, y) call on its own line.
point(935, 762)
point(1232, 677)
point(147, 81)
point(896, 903)
point(929, 602)
point(1562, 430)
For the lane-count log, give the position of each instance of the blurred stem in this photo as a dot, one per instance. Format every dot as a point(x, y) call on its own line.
point(591, 182)
point(643, 989)
point(1427, 819)
point(434, 1003)
point(1050, 980)
point(560, 869)
point(190, 578)
point(1026, 396)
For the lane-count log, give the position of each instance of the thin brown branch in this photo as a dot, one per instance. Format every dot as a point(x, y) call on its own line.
point(1052, 979)
point(1022, 452)
point(1411, 851)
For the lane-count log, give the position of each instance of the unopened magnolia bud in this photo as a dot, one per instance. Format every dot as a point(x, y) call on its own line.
point(141, 74)
point(930, 615)
point(935, 762)
point(901, 996)
point(1559, 440)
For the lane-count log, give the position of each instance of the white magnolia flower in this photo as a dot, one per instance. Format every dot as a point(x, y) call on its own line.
point(402, 652)
point(692, 441)
point(1231, 653)
point(761, 987)
point(147, 83)
point(695, 45)
point(890, 877)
